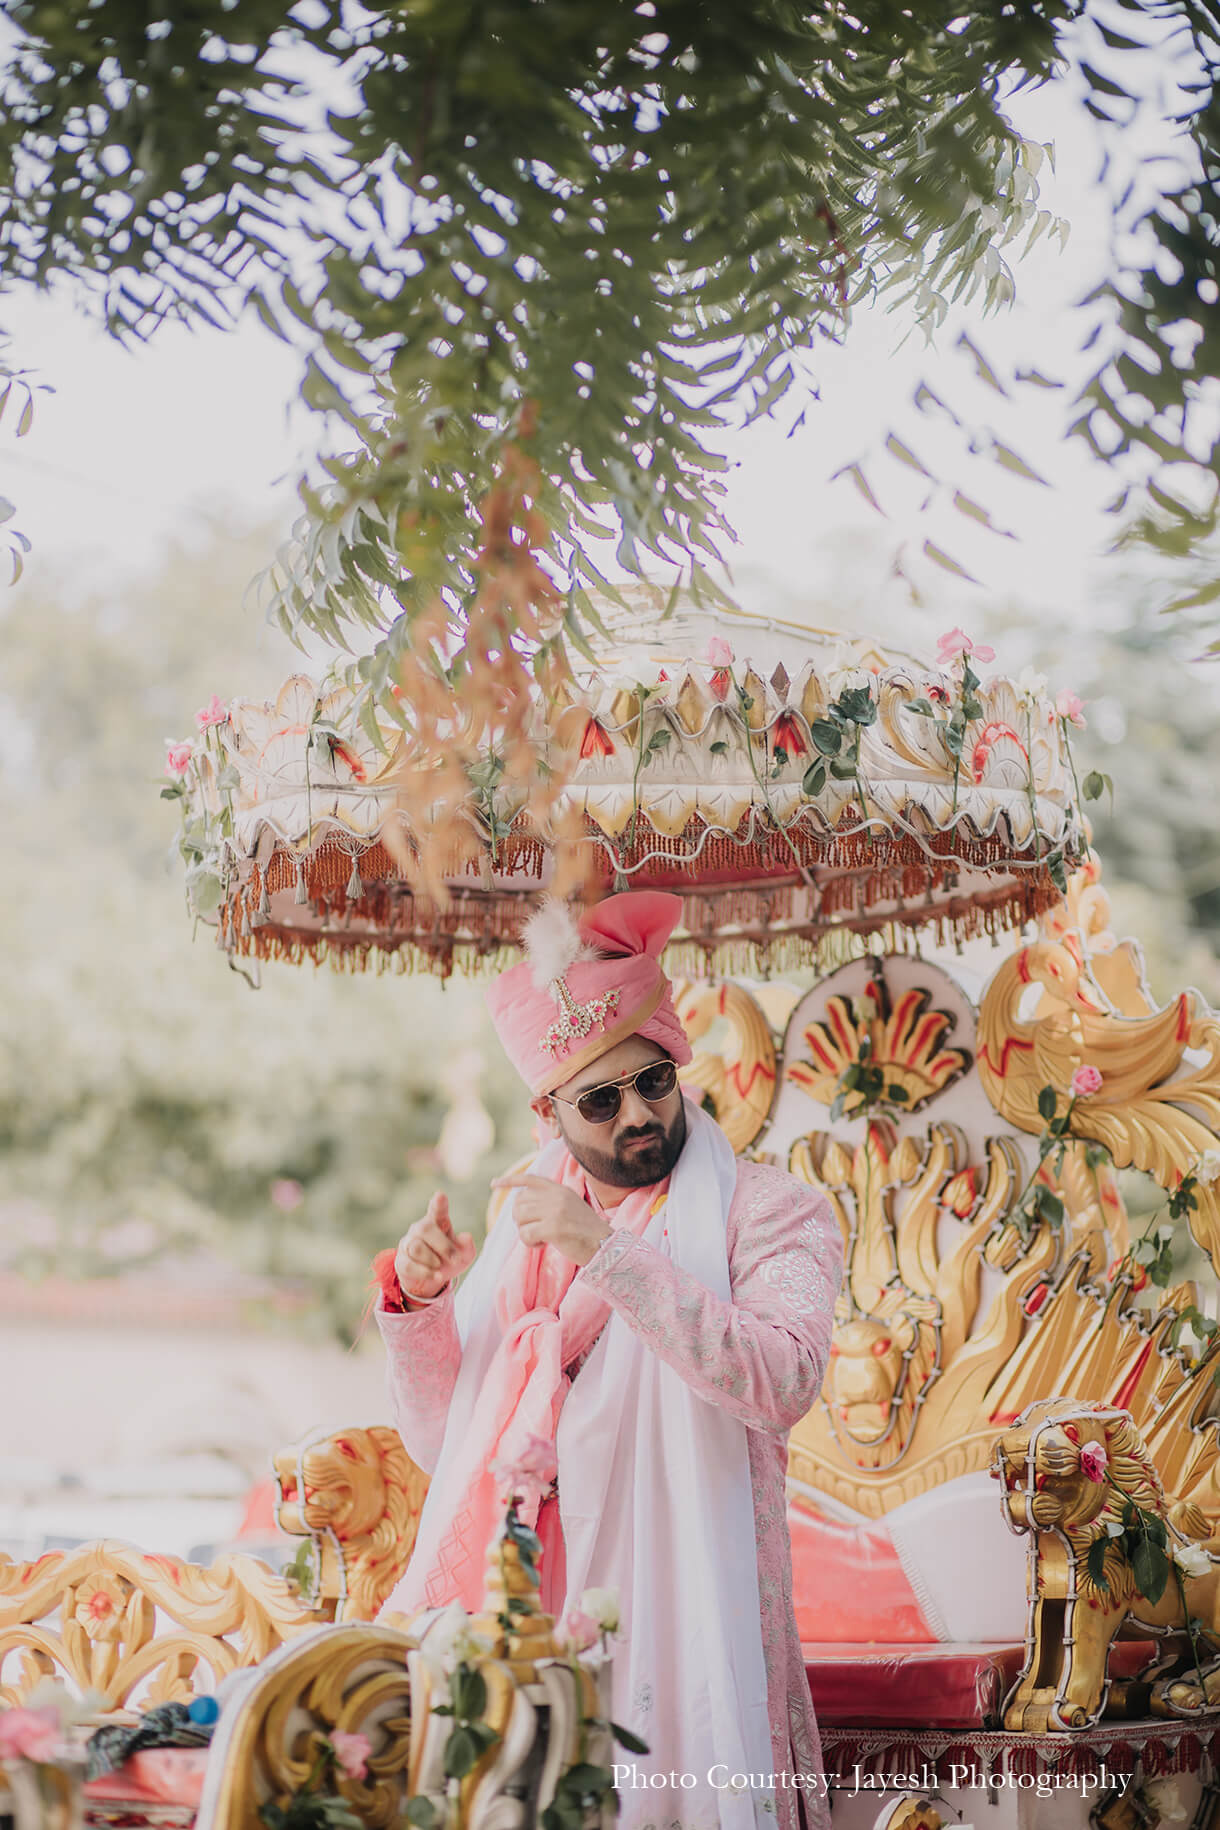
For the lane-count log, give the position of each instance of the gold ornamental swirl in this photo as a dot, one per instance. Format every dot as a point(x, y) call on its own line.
point(1159, 1105)
point(90, 1615)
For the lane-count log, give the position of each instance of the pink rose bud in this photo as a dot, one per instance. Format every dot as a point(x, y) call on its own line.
point(286, 1194)
point(30, 1734)
point(719, 652)
point(1070, 706)
point(1094, 1462)
point(580, 1631)
point(352, 1752)
point(537, 1458)
point(527, 1471)
point(955, 641)
point(214, 712)
point(178, 757)
point(1085, 1081)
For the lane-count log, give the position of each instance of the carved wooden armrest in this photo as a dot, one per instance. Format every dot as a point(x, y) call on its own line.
point(350, 1678)
point(549, 1714)
point(358, 1496)
point(138, 1628)
point(374, 1680)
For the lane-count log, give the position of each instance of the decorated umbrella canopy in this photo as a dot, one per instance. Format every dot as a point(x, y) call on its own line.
point(808, 795)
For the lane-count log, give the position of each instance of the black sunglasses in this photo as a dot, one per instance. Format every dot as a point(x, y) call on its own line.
point(598, 1105)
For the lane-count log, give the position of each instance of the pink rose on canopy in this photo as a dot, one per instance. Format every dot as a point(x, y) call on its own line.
point(1070, 706)
point(352, 1752)
point(719, 652)
point(580, 1631)
point(1094, 1461)
point(214, 712)
point(286, 1194)
point(29, 1734)
point(1085, 1081)
point(955, 641)
point(178, 757)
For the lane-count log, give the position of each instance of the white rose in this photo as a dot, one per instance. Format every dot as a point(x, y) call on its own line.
point(469, 1647)
point(441, 1644)
point(50, 1693)
point(602, 1605)
point(1207, 1169)
point(1167, 1798)
point(1192, 1559)
point(1190, 1342)
point(1031, 685)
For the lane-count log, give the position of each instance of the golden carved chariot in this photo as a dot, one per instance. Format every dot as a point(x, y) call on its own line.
point(1013, 1414)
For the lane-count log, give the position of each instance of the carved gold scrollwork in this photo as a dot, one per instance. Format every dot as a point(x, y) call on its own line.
point(737, 1079)
point(90, 1614)
point(905, 1043)
point(926, 1366)
point(913, 1812)
point(1159, 1105)
point(911, 1359)
point(350, 1678)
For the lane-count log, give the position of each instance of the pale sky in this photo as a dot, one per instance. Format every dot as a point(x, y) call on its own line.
point(130, 447)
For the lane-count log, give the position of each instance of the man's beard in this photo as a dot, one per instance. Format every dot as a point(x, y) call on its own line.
point(639, 1167)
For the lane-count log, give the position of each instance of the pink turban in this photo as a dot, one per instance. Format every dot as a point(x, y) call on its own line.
point(584, 989)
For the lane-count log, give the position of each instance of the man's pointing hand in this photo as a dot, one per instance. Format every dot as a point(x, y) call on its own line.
point(429, 1256)
point(547, 1213)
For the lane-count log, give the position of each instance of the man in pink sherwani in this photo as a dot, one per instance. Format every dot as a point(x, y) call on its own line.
point(662, 1314)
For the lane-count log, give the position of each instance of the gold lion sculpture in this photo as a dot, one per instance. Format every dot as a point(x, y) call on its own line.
point(358, 1495)
point(1069, 1470)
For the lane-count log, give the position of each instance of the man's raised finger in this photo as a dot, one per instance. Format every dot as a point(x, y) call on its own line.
point(422, 1251)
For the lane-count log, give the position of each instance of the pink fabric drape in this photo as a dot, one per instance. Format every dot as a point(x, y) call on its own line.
point(548, 1319)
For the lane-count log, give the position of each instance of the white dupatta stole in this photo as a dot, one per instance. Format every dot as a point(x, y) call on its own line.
point(656, 1501)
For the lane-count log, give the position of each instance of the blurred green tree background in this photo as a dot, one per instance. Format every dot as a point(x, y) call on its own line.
point(151, 1102)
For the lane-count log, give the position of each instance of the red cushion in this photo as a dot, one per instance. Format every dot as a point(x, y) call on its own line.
point(158, 1775)
point(945, 1686)
point(849, 1585)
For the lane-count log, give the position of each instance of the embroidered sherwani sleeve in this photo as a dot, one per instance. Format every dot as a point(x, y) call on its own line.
point(423, 1355)
point(762, 1355)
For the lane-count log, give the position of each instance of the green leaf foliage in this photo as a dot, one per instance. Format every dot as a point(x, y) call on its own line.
point(146, 1094)
point(1150, 1566)
point(461, 1752)
point(601, 234)
point(469, 1692)
point(1096, 1562)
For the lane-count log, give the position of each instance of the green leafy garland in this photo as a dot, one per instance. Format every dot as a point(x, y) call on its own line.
point(1036, 1201)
